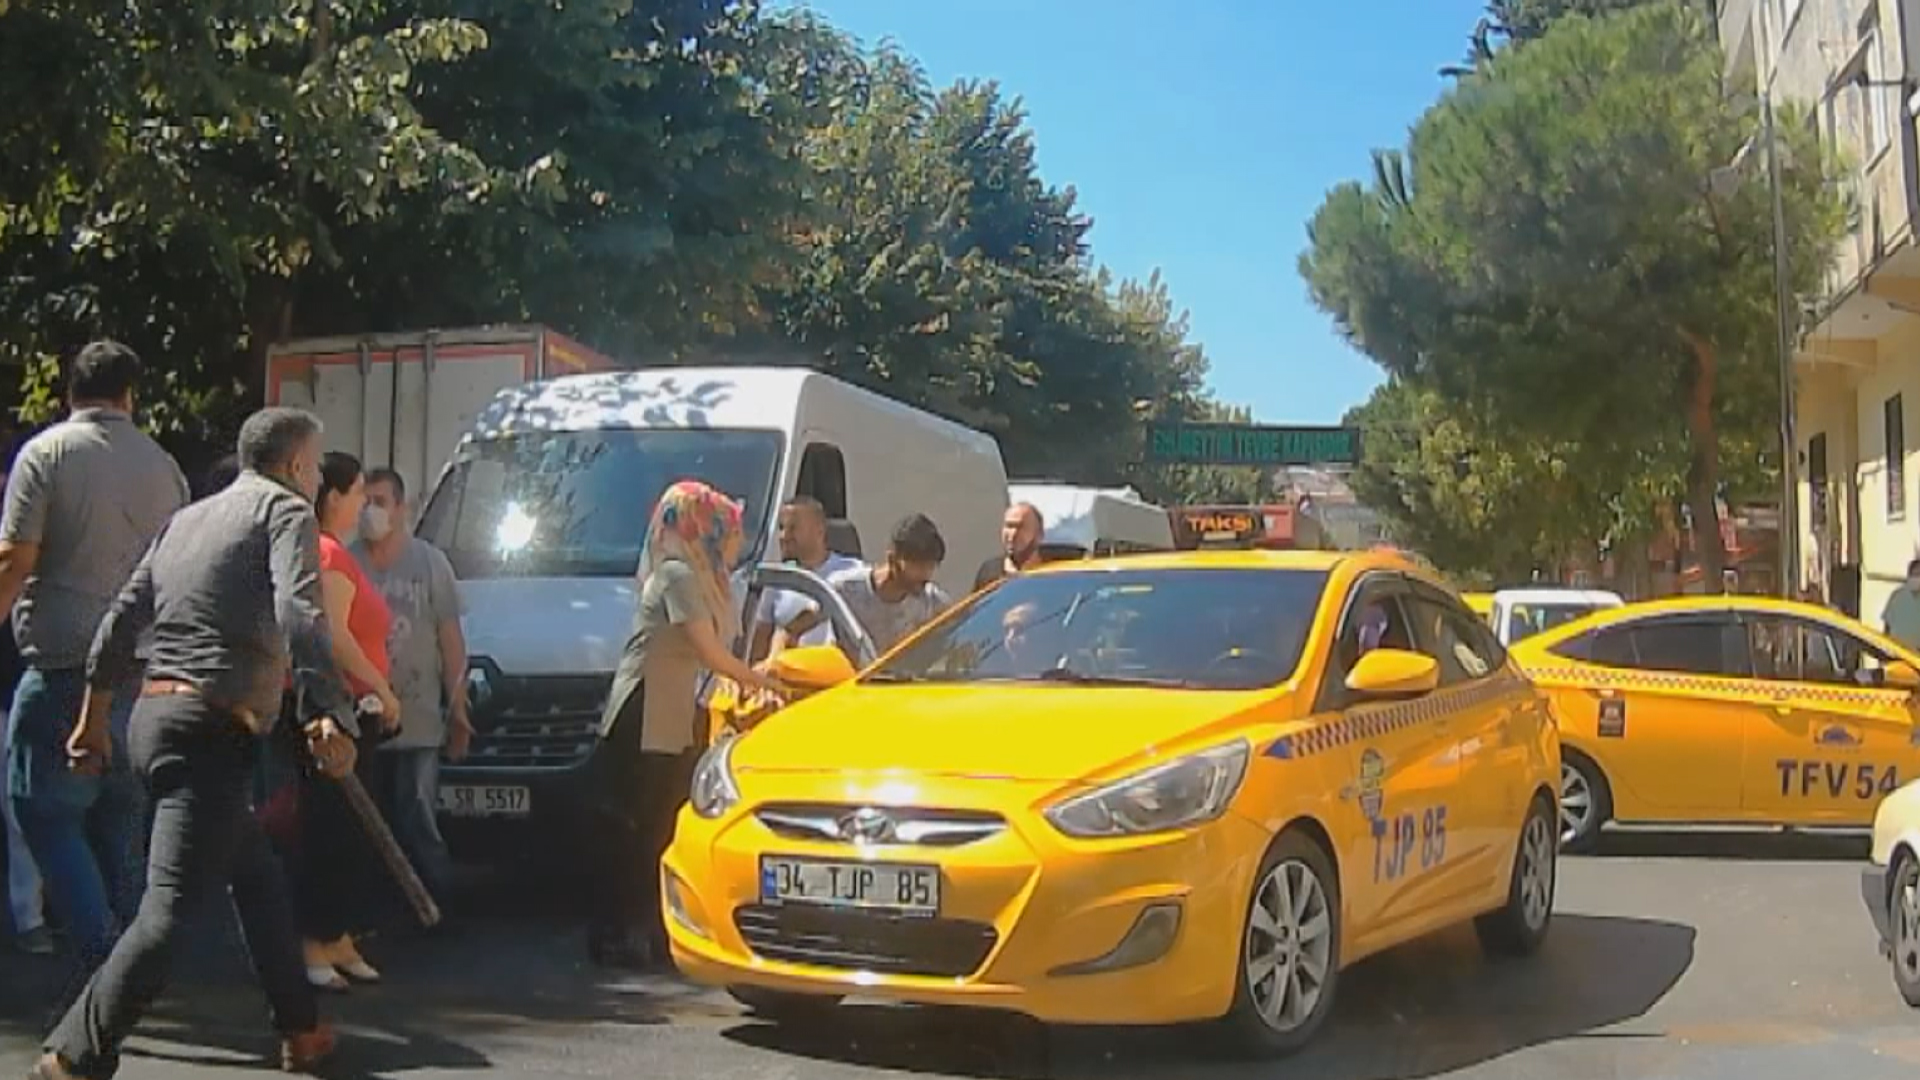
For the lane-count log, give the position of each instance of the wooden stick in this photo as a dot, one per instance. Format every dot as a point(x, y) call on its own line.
point(398, 865)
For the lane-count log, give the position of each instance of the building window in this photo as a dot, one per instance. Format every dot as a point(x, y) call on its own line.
point(1896, 425)
point(1817, 482)
point(1874, 98)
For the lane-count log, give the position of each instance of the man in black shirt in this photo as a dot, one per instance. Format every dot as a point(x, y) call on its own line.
point(231, 593)
point(1021, 531)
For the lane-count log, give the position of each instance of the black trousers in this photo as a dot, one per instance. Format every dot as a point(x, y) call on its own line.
point(334, 868)
point(196, 762)
point(651, 789)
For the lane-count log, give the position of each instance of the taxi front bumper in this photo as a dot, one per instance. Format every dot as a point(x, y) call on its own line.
point(1066, 932)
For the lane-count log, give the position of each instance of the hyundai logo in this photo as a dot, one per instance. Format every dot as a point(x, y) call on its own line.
point(867, 826)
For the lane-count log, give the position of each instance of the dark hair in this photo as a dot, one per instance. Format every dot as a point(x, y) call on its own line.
point(386, 474)
point(917, 540)
point(223, 473)
point(269, 438)
point(338, 471)
point(103, 371)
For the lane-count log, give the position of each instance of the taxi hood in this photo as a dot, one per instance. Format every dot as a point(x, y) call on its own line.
point(1013, 731)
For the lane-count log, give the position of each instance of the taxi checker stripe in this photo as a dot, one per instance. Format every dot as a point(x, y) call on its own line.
point(1373, 722)
point(1660, 680)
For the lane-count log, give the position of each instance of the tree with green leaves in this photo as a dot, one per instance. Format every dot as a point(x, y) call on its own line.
point(1556, 257)
point(203, 178)
point(940, 268)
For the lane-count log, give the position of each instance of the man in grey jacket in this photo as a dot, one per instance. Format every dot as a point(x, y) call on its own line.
point(230, 592)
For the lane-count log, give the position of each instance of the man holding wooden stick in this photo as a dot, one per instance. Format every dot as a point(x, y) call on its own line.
point(229, 589)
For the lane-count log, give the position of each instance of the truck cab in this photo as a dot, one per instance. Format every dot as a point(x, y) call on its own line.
point(543, 509)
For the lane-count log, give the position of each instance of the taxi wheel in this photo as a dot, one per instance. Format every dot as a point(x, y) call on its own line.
point(1289, 957)
point(782, 1007)
point(1586, 803)
point(1903, 925)
point(1518, 928)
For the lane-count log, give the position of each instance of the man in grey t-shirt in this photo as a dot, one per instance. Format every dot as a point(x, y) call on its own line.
point(84, 500)
point(898, 597)
point(428, 654)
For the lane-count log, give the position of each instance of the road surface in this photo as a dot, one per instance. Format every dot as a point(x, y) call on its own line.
point(1696, 956)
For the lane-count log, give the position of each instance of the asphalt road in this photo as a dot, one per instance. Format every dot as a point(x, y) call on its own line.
point(1695, 956)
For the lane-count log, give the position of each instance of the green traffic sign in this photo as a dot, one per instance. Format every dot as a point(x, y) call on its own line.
point(1246, 444)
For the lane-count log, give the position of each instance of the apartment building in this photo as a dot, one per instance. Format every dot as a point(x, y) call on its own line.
point(1850, 65)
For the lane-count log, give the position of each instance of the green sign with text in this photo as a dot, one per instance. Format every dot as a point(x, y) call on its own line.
point(1245, 444)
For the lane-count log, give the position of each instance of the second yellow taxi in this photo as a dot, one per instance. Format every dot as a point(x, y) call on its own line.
point(1725, 710)
point(1149, 790)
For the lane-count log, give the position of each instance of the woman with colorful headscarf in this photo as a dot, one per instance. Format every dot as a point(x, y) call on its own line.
point(685, 622)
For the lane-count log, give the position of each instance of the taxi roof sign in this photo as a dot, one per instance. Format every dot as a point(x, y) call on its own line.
point(1250, 444)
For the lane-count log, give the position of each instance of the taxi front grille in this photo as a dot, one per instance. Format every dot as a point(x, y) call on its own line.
point(854, 823)
point(866, 941)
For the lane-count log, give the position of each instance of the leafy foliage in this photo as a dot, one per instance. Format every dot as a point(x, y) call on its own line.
point(667, 179)
point(1552, 258)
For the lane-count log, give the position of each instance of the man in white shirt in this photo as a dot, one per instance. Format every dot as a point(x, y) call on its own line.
point(803, 541)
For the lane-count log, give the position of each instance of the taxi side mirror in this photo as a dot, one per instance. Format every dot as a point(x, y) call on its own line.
point(1900, 675)
point(812, 667)
point(1393, 673)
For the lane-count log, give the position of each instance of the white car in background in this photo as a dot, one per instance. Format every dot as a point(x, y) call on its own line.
point(1521, 613)
point(1890, 885)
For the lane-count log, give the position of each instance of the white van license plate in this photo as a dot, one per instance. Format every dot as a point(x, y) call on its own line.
point(485, 800)
point(897, 888)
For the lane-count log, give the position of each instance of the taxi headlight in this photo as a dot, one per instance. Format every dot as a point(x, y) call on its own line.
point(714, 791)
point(1189, 791)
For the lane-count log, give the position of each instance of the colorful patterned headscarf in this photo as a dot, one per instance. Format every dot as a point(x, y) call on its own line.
point(700, 527)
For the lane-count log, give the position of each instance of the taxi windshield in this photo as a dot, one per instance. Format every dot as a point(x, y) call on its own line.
point(1200, 629)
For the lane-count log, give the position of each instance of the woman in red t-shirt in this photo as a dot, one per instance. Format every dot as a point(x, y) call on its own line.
point(333, 885)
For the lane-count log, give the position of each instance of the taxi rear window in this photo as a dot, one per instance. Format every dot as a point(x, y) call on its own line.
point(1200, 629)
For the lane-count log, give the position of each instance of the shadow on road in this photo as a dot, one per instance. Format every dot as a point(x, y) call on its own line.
point(1744, 845)
point(442, 999)
point(1423, 1010)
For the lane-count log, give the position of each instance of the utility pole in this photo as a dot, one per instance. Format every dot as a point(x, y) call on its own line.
point(1785, 335)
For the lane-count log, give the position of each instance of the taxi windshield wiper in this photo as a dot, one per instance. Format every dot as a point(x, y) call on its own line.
point(1082, 678)
point(894, 677)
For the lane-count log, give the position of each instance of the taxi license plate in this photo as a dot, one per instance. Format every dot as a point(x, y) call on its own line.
point(485, 800)
point(894, 888)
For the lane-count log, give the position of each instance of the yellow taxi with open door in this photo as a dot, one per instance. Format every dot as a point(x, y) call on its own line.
point(1725, 710)
point(1150, 790)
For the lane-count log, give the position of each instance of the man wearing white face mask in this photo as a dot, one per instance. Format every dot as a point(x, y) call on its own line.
point(429, 669)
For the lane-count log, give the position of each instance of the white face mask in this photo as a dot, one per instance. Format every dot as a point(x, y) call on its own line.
point(375, 522)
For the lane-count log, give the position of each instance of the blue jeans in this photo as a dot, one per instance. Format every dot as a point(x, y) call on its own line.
point(409, 795)
point(84, 831)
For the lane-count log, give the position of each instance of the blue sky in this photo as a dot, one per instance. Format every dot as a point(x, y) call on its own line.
point(1201, 143)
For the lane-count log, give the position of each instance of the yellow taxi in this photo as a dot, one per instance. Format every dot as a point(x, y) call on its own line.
point(1480, 603)
point(1147, 790)
point(1725, 710)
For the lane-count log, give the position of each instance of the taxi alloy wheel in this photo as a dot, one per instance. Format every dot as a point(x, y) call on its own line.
point(1585, 803)
point(1290, 949)
point(1903, 919)
point(1520, 925)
